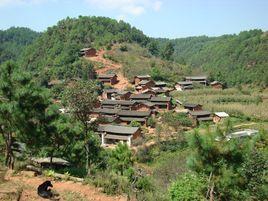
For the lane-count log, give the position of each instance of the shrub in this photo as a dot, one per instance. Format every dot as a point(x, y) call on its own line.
point(123, 48)
point(151, 122)
point(135, 124)
point(187, 187)
point(111, 183)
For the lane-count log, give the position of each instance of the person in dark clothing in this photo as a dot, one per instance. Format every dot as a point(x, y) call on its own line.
point(44, 190)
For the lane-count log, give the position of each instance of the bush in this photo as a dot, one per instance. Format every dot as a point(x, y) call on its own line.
point(151, 122)
point(123, 48)
point(135, 124)
point(111, 183)
point(187, 187)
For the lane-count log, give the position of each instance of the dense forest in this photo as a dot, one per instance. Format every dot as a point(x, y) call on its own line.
point(13, 41)
point(233, 59)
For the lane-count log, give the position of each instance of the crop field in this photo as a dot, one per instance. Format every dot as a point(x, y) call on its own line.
point(250, 104)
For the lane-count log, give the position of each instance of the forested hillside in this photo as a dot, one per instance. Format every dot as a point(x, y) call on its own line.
point(57, 50)
point(234, 59)
point(13, 41)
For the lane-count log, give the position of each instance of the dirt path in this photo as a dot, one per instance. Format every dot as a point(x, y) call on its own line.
point(67, 190)
point(110, 66)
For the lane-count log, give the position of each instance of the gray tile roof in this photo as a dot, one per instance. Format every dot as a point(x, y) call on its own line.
point(104, 76)
point(200, 113)
point(160, 99)
point(140, 96)
point(129, 113)
point(121, 130)
point(117, 102)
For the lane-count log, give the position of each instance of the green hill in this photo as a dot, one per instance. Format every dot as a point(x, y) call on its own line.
point(234, 59)
point(55, 53)
point(13, 41)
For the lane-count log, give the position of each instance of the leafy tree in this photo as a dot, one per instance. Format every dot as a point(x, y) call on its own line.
point(81, 97)
point(22, 109)
point(121, 159)
point(168, 51)
point(223, 163)
point(153, 48)
point(188, 187)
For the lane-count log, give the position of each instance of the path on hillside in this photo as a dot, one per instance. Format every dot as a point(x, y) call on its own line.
point(110, 66)
point(87, 192)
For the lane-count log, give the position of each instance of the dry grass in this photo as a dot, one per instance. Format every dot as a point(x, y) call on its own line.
point(250, 103)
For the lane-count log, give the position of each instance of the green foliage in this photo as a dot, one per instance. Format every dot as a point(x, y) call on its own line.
point(168, 51)
point(225, 163)
point(188, 187)
point(151, 122)
point(13, 42)
point(111, 183)
point(232, 59)
point(121, 159)
point(176, 120)
point(56, 51)
point(22, 109)
point(123, 48)
point(135, 124)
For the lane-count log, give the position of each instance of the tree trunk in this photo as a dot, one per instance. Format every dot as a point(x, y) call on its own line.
point(87, 159)
point(9, 153)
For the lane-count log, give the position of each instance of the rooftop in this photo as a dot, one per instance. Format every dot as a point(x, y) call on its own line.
point(200, 113)
point(131, 113)
point(221, 114)
point(123, 130)
point(117, 102)
point(196, 77)
point(191, 105)
point(160, 99)
point(184, 83)
point(103, 76)
point(143, 82)
point(140, 96)
point(143, 76)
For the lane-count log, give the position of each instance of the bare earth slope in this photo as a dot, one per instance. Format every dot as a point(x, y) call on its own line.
point(110, 66)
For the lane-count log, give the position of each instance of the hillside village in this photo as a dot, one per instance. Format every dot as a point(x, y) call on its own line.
point(119, 108)
point(111, 114)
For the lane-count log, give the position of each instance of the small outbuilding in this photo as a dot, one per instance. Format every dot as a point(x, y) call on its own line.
point(112, 134)
point(137, 79)
point(219, 116)
point(197, 79)
point(88, 52)
point(108, 79)
point(200, 116)
point(216, 85)
point(184, 85)
point(162, 102)
point(119, 104)
point(192, 106)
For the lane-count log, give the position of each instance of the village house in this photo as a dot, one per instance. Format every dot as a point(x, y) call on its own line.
point(148, 91)
point(192, 106)
point(197, 79)
point(108, 79)
point(88, 52)
point(200, 116)
point(112, 134)
point(119, 104)
point(160, 84)
point(146, 106)
point(216, 85)
point(104, 112)
point(145, 84)
point(127, 117)
point(140, 97)
point(139, 78)
point(162, 102)
point(219, 116)
point(109, 93)
point(116, 94)
point(184, 85)
point(161, 90)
